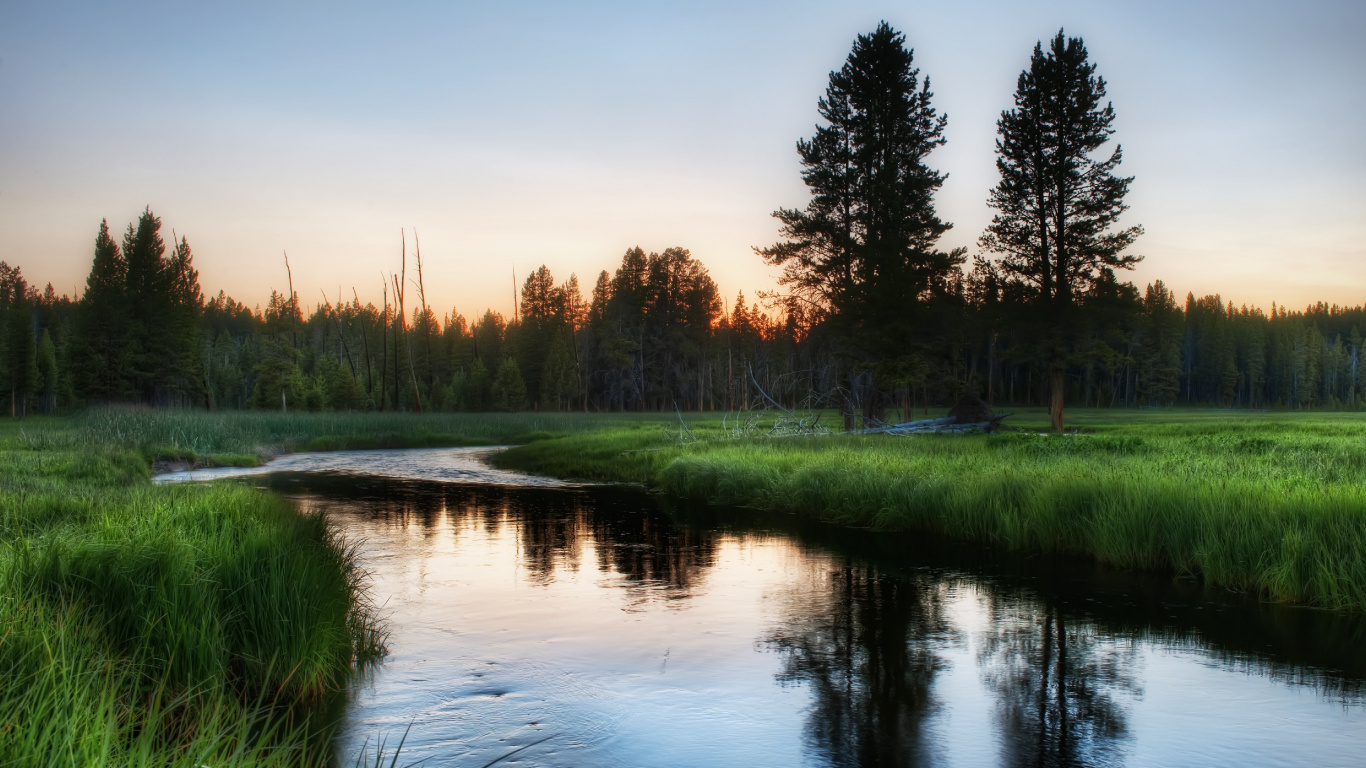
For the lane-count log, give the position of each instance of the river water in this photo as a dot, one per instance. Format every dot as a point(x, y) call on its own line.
point(550, 624)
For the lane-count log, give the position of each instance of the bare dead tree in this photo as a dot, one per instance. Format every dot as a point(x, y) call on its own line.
point(293, 304)
point(426, 317)
point(341, 333)
point(400, 288)
point(384, 346)
point(365, 339)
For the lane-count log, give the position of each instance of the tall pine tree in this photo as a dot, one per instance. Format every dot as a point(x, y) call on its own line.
point(1056, 204)
point(862, 254)
point(99, 350)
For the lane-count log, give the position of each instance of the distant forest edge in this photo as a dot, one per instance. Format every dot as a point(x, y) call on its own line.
point(652, 336)
point(872, 317)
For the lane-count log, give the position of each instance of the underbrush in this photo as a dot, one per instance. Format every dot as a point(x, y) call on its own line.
point(1273, 504)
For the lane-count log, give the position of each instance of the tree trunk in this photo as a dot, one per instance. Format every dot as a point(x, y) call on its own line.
point(1056, 384)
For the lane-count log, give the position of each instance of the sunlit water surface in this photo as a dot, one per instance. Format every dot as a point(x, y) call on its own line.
point(562, 625)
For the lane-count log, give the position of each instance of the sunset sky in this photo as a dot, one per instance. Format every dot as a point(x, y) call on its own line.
point(515, 134)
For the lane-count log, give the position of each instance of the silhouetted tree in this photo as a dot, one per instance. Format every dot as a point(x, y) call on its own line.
point(99, 347)
point(1056, 204)
point(862, 252)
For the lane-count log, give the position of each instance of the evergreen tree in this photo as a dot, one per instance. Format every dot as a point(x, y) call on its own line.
point(1056, 204)
point(558, 386)
point(1159, 346)
point(862, 252)
point(475, 388)
point(148, 307)
point(509, 390)
point(99, 349)
point(543, 318)
point(181, 374)
point(18, 349)
point(47, 373)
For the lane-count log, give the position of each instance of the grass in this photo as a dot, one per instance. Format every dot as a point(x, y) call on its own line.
point(1270, 503)
point(206, 625)
point(245, 438)
point(160, 626)
point(195, 625)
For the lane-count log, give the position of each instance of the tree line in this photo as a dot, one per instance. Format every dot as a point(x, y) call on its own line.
point(872, 316)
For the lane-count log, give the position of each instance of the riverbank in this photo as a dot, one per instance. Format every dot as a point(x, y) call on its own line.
point(144, 625)
point(1268, 503)
point(190, 624)
point(199, 624)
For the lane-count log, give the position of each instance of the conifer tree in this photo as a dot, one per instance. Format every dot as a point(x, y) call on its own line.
point(509, 390)
point(1158, 352)
point(1056, 204)
point(862, 252)
point(99, 349)
point(47, 373)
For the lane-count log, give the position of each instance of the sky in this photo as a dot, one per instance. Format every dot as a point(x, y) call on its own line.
point(515, 134)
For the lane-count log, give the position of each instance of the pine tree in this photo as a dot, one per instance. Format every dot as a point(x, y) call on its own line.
point(1056, 204)
point(21, 361)
point(1159, 346)
point(862, 252)
point(509, 390)
point(182, 374)
point(99, 349)
point(148, 307)
point(47, 373)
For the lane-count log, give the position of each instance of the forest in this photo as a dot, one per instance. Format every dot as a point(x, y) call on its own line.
point(654, 335)
point(871, 317)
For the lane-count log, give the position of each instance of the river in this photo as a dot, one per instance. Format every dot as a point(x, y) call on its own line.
point(539, 623)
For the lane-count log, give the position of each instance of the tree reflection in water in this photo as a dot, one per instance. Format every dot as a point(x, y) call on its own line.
point(869, 645)
point(1059, 685)
point(868, 649)
point(869, 623)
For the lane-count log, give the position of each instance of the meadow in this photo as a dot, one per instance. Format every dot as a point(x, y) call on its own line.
point(211, 624)
point(1272, 504)
point(195, 625)
point(160, 626)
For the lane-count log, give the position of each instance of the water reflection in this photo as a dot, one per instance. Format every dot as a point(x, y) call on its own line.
point(1060, 685)
point(869, 648)
point(637, 633)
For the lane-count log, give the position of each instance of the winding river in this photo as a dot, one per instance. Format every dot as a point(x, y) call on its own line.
point(538, 623)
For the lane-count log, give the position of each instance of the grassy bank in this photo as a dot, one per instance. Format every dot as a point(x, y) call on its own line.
point(188, 625)
point(201, 625)
point(1268, 503)
point(245, 438)
point(158, 626)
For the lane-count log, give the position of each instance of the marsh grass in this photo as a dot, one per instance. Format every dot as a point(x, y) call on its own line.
point(205, 625)
point(246, 437)
point(191, 624)
point(1273, 504)
point(145, 625)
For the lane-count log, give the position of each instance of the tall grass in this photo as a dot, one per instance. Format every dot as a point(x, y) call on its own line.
point(144, 625)
point(243, 436)
point(1268, 503)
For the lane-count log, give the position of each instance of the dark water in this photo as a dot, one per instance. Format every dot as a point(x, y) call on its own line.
point(604, 627)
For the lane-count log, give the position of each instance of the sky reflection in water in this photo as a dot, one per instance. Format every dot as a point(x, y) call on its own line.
point(635, 636)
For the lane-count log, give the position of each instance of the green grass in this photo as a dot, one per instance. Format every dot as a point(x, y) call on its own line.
point(206, 625)
point(244, 438)
point(158, 626)
point(191, 624)
point(1271, 503)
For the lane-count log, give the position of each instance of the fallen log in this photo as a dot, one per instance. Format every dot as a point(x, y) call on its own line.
point(946, 425)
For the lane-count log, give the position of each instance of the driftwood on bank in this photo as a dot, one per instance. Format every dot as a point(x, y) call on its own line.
point(969, 414)
point(946, 425)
